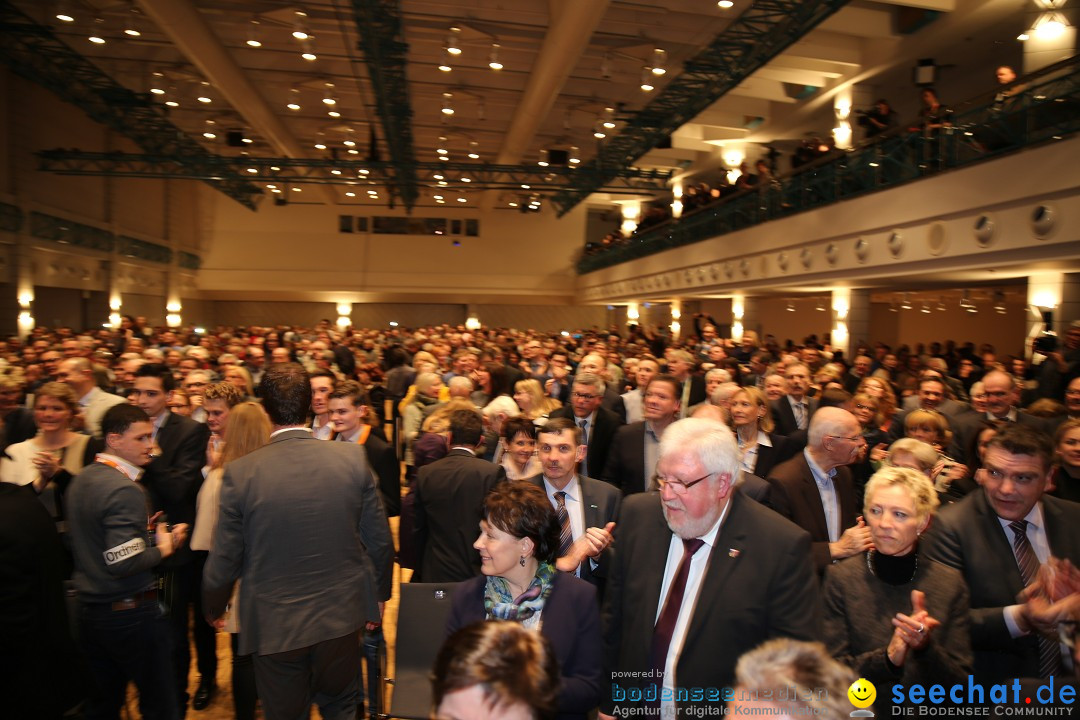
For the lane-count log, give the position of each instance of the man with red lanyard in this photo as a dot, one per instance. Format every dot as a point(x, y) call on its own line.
point(125, 634)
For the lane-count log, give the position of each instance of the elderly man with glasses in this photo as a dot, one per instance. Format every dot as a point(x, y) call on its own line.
point(814, 489)
point(702, 574)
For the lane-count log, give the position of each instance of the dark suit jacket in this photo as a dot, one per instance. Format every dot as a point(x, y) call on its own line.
point(173, 479)
point(967, 424)
point(759, 584)
point(449, 506)
point(303, 521)
point(384, 462)
point(625, 467)
point(613, 401)
point(754, 487)
point(770, 457)
point(697, 391)
point(795, 496)
point(570, 620)
point(966, 535)
point(601, 433)
point(784, 416)
point(601, 503)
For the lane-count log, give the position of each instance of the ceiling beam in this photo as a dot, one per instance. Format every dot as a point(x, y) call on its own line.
point(185, 26)
point(763, 31)
point(35, 53)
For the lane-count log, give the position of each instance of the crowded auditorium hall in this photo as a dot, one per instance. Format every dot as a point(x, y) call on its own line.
point(553, 360)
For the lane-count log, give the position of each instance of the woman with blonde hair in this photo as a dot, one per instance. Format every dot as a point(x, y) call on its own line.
point(891, 613)
point(882, 391)
point(50, 460)
point(529, 396)
point(241, 378)
point(751, 419)
point(246, 429)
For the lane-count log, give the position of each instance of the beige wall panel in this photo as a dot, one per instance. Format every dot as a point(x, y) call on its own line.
point(298, 248)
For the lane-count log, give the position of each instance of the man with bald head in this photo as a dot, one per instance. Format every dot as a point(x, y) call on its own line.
point(78, 374)
point(814, 489)
point(1002, 397)
point(594, 364)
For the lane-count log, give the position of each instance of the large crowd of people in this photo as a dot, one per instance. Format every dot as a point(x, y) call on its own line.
point(652, 507)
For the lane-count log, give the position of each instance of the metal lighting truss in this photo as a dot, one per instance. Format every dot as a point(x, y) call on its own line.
point(763, 31)
point(378, 23)
point(32, 51)
point(293, 171)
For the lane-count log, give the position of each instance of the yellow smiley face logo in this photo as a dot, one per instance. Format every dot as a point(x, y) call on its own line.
point(862, 693)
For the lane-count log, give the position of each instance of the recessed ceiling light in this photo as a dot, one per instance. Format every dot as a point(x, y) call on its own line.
point(309, 56)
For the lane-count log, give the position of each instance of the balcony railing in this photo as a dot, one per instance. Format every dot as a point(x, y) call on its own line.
point(1044, 107)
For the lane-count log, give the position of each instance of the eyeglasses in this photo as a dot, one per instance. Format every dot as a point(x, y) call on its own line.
point(860, 406)
point(678, 486)
point(584, 396)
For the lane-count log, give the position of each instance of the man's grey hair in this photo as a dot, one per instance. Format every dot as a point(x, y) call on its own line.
point(591, 380)
point(460, 386)
point(153, 355)
point(810, 681)
point(724, 375)
point(710, 441)
point(502, 405)
point(724, 392)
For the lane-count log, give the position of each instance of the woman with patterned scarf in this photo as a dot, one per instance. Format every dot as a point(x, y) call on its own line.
point(518, 544)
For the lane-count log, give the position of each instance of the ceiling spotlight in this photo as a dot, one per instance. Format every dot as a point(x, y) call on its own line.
point(599, 133)
point(246, 141)
point(293, 105)
point(647, 79)
point(320, 146)
point(300, 33)
point(349, 143)
point(925, 308)
point(543, 162)
point(172, 103)
point(253, 34)
point(209, 135)
point(309, 56)
point(350, 194)
point(941, 305)
point(130, 27)
point(442, 151)
point(493, 59)
point(461, 199)
point(63, 16)
point(725, 4)
point(447, 108)
point(575, 152)
point(204, 99)
point(1023, 37)
point(452, 45)
point(445, 64)
point(95, 35)
point(334, 114)
point(790, 306)
point(329, 100)
point(659, 58)
point(906, 304)
point(609, 118)
point(438, 177)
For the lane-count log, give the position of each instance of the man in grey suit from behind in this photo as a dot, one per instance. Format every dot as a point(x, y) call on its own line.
point(303, 521)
